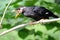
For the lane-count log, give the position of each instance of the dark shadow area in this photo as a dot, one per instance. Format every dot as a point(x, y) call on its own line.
point(52, 25)
point(23, 33)
point(50, 38)
point(38, 33)
point(8, 26)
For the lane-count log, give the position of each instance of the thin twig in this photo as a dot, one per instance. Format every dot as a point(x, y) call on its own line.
point(5, 12)
point(19, 26)
point(24, 25)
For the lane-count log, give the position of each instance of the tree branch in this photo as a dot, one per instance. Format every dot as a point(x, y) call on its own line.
point(24, 25)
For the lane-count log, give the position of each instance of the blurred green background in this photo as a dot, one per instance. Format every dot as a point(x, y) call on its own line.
point(48, 31)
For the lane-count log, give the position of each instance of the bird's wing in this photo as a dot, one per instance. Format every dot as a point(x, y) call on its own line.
point(39, 10)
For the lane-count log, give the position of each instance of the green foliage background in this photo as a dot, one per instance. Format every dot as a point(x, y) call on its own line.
point(48, 31)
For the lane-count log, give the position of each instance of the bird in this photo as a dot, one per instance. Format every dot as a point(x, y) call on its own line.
point(35, 12)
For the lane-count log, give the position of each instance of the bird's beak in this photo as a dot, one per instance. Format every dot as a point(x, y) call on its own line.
point(19, 12)
point(17, 15)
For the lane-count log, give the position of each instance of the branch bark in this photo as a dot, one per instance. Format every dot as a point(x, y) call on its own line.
point(24, 25)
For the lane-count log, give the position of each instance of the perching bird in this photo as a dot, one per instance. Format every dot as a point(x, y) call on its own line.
point(35, 12)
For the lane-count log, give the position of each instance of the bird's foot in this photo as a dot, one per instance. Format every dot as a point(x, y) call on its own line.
point(42, 21)
point(31, 23)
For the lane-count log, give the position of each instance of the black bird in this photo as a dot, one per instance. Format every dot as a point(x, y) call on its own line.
point(35, 12)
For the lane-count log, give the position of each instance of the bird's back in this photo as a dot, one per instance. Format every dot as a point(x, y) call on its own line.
point(38, 13)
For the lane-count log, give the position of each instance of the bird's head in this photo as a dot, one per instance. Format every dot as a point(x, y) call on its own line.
point(19, 11)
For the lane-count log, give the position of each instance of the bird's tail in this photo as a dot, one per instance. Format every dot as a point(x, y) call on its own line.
point(55, 16)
